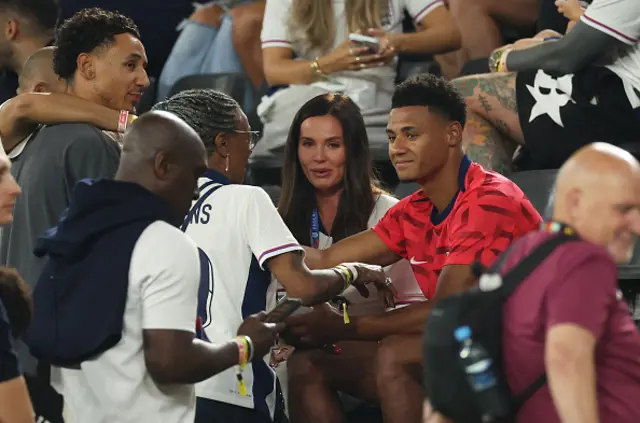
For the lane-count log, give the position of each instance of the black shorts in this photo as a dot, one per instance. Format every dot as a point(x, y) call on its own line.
point(561, 113)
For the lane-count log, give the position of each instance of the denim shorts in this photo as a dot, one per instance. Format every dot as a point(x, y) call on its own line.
point(200, 49)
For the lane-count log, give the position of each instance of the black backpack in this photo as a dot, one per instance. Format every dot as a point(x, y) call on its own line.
point(445, 381)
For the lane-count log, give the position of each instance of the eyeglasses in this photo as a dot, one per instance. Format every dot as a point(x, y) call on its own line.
point(254, 136)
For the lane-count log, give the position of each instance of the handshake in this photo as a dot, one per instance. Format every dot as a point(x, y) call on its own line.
point(263, 332)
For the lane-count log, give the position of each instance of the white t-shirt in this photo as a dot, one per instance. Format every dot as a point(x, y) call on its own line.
point(369, 88)
point(238, 229)
point(116, 387)
point(621, 20)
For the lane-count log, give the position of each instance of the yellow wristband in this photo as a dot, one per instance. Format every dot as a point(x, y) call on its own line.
point(348, 276)
point(502, 63)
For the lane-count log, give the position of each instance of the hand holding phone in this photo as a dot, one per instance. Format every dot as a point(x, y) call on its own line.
point(285, 308)
point(372, 43)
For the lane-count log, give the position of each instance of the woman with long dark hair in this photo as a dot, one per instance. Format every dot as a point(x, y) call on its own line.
point(328, 193)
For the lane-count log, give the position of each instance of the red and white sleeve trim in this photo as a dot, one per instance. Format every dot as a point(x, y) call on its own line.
point(618, 35)
point(276, 43)
point(427, 9)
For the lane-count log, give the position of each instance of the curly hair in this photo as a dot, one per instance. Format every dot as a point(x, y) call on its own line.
point(42, 14)
point(84, 32)
point(208, 112)
point(16, 298)
point(433, 92)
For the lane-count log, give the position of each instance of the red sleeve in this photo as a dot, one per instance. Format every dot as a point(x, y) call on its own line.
point(585, 293)
point(481, 230)
point(390, 230)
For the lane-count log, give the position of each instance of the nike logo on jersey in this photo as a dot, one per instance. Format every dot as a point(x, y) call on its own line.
point(415, 262)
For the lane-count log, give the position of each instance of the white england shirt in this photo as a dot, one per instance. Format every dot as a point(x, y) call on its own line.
point(620, 19)
point(237, 229)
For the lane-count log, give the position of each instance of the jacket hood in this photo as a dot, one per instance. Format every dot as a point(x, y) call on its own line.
point(97, 207)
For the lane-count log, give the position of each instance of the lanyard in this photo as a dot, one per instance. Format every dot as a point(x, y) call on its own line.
point(315, 229)
point(557, 227)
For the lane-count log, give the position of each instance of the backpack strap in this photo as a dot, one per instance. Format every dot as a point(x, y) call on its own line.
point(511, 280)
point(524, 396)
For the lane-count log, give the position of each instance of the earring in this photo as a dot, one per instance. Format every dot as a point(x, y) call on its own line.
point(226, 167)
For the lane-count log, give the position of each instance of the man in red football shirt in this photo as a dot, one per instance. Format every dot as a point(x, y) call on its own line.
point(462, 214)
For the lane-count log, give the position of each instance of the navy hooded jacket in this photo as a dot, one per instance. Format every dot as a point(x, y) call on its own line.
point(80, 298)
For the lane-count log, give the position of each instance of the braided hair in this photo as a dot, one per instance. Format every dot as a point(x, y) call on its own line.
point(208, 112)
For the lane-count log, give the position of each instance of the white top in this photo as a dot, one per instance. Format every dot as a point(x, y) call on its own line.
point(237, 228)
point(369, 88)
point(621, 20)
point(116, 387)
point(401, 273)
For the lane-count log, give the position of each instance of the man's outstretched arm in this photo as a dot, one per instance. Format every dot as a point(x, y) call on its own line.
point(365, 247)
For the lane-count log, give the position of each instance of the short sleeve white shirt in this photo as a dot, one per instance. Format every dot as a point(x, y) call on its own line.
point(237, 229)
point(116, 386)
point(369, 88)
point(620, 19)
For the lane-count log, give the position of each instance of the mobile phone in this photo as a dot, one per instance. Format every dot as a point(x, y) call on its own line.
point(366, 41)
point(285, 308)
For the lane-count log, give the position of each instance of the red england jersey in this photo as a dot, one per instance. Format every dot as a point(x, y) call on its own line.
point(488, 212)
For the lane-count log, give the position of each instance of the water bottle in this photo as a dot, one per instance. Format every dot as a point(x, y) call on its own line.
point(478, 365)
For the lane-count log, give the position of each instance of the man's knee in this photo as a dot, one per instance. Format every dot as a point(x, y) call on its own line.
point(302, 367)
point(458, 8)
point(247, 20)
point(398, 357)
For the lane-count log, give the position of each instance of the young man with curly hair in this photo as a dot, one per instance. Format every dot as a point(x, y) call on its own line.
point(100, 55)
point(462, 213)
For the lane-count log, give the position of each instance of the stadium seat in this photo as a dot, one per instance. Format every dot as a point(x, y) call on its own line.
point(408, 67)
point(234, 84)
point(537, 186)
point(405, 189)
